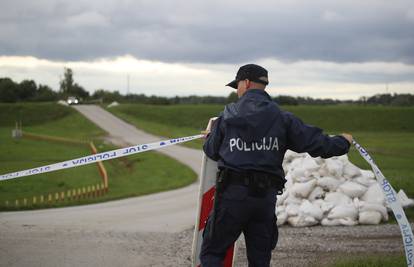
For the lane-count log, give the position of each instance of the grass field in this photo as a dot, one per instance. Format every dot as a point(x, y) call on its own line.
point(181, 120)
point(137, 175)
point(370, 261)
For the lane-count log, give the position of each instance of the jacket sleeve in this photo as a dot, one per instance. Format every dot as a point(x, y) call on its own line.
point(214, 139)
point(306, 138)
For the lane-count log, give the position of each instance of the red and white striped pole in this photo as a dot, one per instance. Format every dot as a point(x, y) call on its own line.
point(205, 205)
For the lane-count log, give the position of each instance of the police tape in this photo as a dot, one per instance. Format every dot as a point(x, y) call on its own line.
point(113, 154)
point(394, 204)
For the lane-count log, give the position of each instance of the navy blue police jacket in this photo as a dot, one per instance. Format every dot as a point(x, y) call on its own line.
point(253, 134)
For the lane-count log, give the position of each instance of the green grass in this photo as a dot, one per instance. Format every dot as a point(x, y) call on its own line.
point(135, 175)
point(169, 121)
point(370, 261)
point(181, 120)
point(32, 114)
point(333, 118)
point(353, 118)
point(25, 154)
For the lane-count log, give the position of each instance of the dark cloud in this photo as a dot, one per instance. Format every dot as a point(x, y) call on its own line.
point(210, 31)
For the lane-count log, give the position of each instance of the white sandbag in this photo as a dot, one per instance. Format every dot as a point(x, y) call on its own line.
point(334, 167)
point(302, 221)
point(366, 206)
point(310, 164)
point(329, 222)
point(324, 206)
point(297, 173)
point(352, 189)
point(303, 189)
point(343, 211)
point(296, 163)
point(291, 199)
point(350, 170)
point(63, 103)
point(323, 171)
point(348, 221)
point(329, 191)
point(317, 193)
point(343, 158)
point(320, 161)
point(282, 218)
point(370, 217)
point(289, 182)
point(309, 209)
point(367, 182)
point(315, 174)
point(113, 104)
point(310, 221)
point(357, 203)
point(303, 179)
point(280, 209)
point(374, 194)
point(328, 183)
point(404, 200)
point(337, 198)
point(368, 174)
point(281, 199)
point(292, 210)
point(291, 155)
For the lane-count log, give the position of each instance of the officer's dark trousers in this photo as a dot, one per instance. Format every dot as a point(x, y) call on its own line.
point(237, 212)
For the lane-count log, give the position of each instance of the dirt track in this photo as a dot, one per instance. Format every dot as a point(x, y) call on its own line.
point(157, 230)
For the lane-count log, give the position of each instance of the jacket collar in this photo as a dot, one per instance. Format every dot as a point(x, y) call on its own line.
point(257, 92)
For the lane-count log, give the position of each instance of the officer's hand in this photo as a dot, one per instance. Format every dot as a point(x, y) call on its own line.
point(206, 133)
point(348, 137)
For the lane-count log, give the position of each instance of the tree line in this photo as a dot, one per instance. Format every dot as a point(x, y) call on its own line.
point(28, 90)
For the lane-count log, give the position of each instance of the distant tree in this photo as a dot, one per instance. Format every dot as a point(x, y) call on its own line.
point(79, 91)
point(380, 99)
point(157, 100)
point(286, 100)
point(69, 88)
point(402, 100)
point(66, 84)
point(27, 90)
point(8, 90)
point(176, 100)
point(233, 97)
point(107, 96)
point(362, 100)
point(45, 93)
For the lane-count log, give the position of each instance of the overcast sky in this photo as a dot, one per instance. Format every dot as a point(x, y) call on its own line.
point(338, 49)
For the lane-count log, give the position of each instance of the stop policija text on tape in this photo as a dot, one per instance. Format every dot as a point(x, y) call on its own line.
point(394, 204)
point(122, 152)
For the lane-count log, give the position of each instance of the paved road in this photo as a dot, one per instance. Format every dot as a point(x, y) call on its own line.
point(122, 131)
point(168, 212)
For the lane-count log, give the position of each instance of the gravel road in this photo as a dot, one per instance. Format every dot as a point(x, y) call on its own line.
point(157, 230)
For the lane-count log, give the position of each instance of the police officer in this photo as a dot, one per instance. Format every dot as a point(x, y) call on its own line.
point(249, 140)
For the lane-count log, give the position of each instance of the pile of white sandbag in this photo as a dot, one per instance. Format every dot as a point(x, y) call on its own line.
point(329, 192)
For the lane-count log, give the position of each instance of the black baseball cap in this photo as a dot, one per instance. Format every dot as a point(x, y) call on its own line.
point(252, 72)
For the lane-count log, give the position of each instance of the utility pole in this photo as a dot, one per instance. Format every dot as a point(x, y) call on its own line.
point(127, 84)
